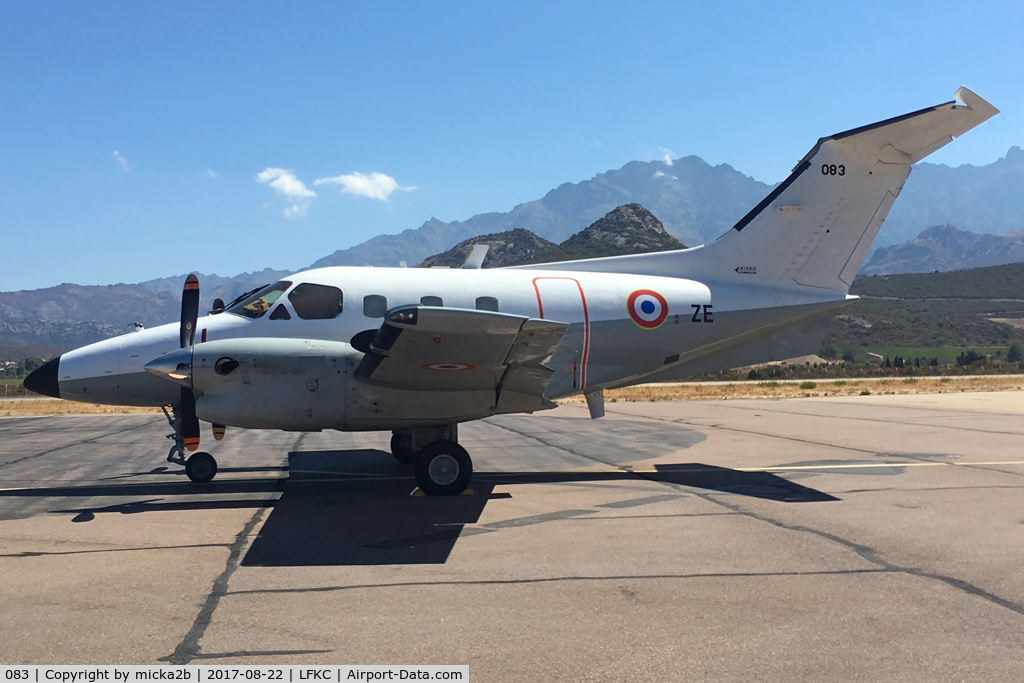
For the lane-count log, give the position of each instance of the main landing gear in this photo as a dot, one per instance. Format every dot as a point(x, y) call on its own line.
point(442, 467)
point(200, 467)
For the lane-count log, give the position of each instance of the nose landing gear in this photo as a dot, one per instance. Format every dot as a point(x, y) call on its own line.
point(199, 467)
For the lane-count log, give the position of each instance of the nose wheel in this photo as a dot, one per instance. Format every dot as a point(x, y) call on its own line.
point(201, 467)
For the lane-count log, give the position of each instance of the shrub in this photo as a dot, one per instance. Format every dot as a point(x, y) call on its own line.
point(808, 385)
point(1014, 354)
point(840, 383)
point(768, 385)
point(968, 357)
point(865, 393)
point(945, 380)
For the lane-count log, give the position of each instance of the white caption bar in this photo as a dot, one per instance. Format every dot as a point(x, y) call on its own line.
point(204, 674)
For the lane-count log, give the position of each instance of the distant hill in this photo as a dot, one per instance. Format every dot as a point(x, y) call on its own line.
point(946, 247)
point(629, 229)
point(70, 315)
point(994, 282)
point(506, 249)
point(982, 199)
point(976, 307)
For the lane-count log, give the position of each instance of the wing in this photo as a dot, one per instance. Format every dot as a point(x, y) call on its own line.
point(427, 348)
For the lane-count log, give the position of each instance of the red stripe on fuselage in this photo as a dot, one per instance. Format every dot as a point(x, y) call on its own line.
point(586, 324)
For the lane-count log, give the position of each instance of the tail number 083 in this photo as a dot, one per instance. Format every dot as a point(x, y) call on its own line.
point(832, 169)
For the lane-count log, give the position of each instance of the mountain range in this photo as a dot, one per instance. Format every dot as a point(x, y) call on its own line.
point(628, 229)
point(695, 201)
point(943, 248)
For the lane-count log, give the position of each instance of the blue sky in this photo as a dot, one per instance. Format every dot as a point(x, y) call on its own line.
point(134, 136)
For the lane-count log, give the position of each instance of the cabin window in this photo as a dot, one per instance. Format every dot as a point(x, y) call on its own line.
point(256, 305)
point(316, 302)
point(486, 303)
point(431, 301)
point(280, 313)
point(375, 306)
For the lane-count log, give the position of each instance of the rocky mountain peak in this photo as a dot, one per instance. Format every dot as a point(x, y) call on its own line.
point(506, 249)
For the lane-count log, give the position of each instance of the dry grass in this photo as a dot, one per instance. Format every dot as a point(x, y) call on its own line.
point(683, 391)
point(58, 407)
point(704, 391)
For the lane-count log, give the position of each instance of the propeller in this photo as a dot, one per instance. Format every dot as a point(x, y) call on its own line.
point(189, 315)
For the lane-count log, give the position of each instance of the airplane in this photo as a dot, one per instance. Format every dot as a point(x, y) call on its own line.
point(419, 351)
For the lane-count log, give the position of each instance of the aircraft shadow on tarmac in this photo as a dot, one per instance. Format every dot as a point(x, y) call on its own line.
point(353, 507)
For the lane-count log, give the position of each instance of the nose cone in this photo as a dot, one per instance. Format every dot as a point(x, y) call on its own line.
point(43, 380)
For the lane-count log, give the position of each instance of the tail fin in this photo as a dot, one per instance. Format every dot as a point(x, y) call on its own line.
point(816, 227)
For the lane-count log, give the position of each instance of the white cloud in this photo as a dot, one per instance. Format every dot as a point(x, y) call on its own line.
point(211, 174)
point(372, 185)
point(667, 157)
point(286, 185)
point(296, 211)
point(121, 160)
point(659, 174)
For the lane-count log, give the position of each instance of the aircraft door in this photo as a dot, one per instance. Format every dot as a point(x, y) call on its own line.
point(562, 299)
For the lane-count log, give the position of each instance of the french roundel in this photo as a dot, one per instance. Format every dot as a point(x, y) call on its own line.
point(448, 367)
point(647, 308)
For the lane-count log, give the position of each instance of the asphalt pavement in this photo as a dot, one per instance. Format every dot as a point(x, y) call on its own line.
point(868, 538)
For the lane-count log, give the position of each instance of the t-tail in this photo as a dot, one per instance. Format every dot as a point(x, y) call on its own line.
point(815, 229)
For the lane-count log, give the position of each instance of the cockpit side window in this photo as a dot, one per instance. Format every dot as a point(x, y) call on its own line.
point(256, 305)
point(316, 302)
point(431, 301)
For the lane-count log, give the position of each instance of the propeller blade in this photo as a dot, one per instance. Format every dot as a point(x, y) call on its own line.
point(189, 421)
point(189, 310)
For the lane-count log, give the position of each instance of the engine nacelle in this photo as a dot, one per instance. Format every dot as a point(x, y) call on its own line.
point(272, 383)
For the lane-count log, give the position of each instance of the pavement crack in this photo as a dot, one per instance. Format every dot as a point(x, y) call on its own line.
point(553, 579)
point(870, 554)
point(48, 553)
point(188, 649)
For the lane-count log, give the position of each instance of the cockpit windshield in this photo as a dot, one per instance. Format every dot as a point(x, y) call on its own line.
point(256, 305)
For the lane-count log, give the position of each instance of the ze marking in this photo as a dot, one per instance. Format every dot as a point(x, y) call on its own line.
point(697, 310)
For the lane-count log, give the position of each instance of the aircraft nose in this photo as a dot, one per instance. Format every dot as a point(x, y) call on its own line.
point(43, 380)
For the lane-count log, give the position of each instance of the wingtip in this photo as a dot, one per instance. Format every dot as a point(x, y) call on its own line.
point(974, 101)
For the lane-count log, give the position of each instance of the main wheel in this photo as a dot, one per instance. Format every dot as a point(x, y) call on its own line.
point(443, 468)
point(401, 452)
point(201, 467)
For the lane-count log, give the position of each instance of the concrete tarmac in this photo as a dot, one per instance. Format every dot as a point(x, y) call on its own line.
point(868, 538)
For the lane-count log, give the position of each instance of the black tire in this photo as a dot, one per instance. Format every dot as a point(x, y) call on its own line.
point(201, 467)
point(401, 453)
point(443, 468)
